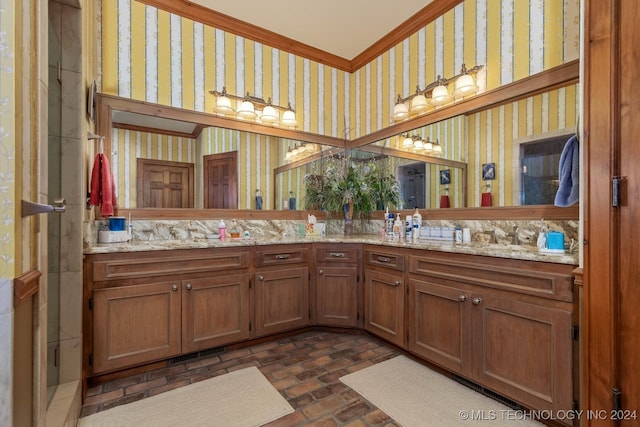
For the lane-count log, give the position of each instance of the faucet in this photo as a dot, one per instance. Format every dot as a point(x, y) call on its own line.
point(514, 236)
point(492, 234)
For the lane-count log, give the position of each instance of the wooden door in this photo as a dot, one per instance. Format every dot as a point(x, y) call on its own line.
point(135, 325)
point(337, 296)
point(611, 319)
point(384, 305)
point(439, 324)
point(215, 311)
point(282, 300)
point(164, 184)
point(221, 181)
point(523, 351)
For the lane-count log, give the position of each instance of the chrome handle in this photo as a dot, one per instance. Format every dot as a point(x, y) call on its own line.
point(174, 288)
point(321, 272)
point(283, 256)
point(337, 254)
point(384, 259)
point(188, 286)
point(476, 301)
point(30, 208)
point(462, 297)
point(397, 283)
point(261, 278)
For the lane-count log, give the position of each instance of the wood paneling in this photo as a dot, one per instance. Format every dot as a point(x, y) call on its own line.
point(25, 285)
point(600, 82)
point(337, 296)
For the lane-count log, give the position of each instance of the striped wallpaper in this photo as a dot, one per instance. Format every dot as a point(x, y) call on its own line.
point(152, 55)
point(493, 136)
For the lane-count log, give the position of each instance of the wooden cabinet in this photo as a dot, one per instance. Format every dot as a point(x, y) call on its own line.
point(135, 324)
point(145, 307)
point(484, 319)
point(215, 311)
point(282, 288)
point(337, 285)
point(384, 291)
point(439, 324)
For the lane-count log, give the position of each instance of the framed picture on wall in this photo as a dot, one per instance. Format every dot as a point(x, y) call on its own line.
point(445, 177)
point(488, 171)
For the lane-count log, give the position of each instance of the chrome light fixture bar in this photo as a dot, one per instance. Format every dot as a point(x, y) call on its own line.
point(437, 94)
point(253, 108)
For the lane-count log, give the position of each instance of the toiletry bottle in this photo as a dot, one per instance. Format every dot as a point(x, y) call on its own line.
point(389, 224)
point(222, 230)
point(417, 225)
point(235, 230)
point(408, 224)
point(385, 229)
point(398, 229)
point(458, 234)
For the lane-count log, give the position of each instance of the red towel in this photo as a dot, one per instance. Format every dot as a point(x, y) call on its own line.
point(102, 193)
point(444, 201)
point(486, 199)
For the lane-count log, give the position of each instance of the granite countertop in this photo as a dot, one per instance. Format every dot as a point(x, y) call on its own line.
point(523, 252)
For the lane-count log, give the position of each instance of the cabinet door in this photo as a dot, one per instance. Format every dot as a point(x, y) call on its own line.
point(135, 324)
point(523, 351)
point(439, 325)
point(282, 300)
point(384, 305)
point(215, 311)
point(337, 296)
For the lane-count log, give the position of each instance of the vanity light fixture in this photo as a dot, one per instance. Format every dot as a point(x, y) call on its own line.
point(440, 94)
point(400, 110)
point(437, 94)
point(464, 84)
point(253, 108)
point(300, 151)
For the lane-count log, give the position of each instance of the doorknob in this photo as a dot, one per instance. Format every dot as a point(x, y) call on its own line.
point(30, 208)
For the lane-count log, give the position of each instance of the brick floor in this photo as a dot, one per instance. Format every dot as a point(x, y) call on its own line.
point(304, 368)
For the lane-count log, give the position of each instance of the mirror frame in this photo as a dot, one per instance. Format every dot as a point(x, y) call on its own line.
point(555, 78)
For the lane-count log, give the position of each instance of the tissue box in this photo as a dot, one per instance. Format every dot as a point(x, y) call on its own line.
point(315, 229)
point(109, 236)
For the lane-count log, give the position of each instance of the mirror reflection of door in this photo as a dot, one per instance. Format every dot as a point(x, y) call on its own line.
point(221, 181)
point(164, 184)
point(412, 185)
point(539, 161)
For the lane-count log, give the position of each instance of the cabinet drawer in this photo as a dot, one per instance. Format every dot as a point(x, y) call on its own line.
point(384, 259)
point(145, 265)
point(333, 253)
point(281, 255)
point(518, 276)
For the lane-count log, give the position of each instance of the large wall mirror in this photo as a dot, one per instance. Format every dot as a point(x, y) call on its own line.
point(492, 128)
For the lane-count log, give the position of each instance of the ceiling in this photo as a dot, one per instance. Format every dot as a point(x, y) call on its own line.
point(344, 28)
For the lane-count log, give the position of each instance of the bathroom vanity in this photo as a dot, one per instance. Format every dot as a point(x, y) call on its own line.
point(499, 323)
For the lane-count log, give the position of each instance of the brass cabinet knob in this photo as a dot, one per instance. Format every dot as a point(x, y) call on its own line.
point(476, 301)
point(462, 297)
point(174, 288)
point(188, 286)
